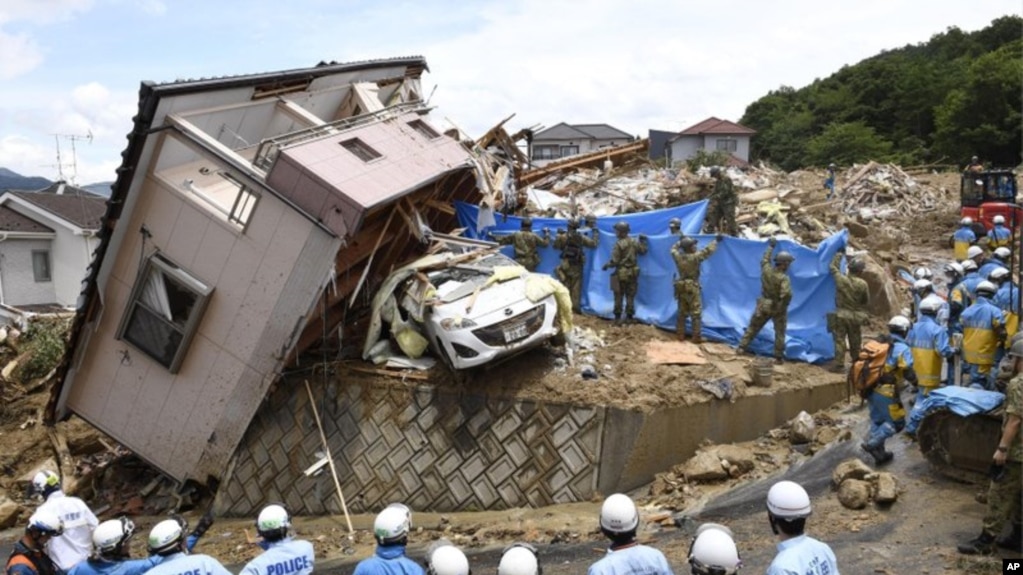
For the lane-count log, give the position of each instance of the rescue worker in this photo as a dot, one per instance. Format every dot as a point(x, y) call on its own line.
point(983, 332)
point(974, 166)
point(390, 528)
point(167, 539)
point(829, 183)
point(525, 243)
point(675, 227)
point(29, 555)
point(999, 236)
point(963, 238)
point(713, 551)
point(788, 506)
point(447, 559)
point(519, 559)
point(958, 297)
point(1004, 496)
point(1006, 299)
point(773, 304)
point(687, 286)
point(929, 344)
point(282, 555)
point(619, 520)
point(922, 273)
point(852, 296)
point(75, 544)
point(887, 415)
point(570, 270)
point(722, 204)
point(625, 278)
point(999, 259)
point(921, 289)
point(111, 541)
point(968, 285)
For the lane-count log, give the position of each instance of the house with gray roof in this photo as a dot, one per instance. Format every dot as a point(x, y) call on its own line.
point(47, 238)
point(563, 140)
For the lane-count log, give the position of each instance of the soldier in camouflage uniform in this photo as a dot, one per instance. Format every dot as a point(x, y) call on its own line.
point(675, 227)
point(525, 243)
point(722, 204)
point(687, 286)
point(1005, 494)
point(851, 299)
point(773, 304)
point(570, 270)
point(625, 278)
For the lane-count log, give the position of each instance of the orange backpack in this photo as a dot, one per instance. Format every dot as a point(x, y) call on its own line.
point(866, 371)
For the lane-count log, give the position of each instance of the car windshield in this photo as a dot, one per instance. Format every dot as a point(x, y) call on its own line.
point(462, 280)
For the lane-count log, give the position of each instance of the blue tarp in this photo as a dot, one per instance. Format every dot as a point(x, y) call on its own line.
point(961, 401)
point(730, 279)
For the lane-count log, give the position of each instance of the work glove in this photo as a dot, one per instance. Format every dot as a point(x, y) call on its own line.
point(772, 241)
point(643, 238)
point(205, 522)
point(605, 267)
point(719, 237)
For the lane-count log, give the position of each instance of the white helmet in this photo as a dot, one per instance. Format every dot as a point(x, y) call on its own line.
point(931, 305)
point(45, 522)
point(967, 221)
point(922, 285)
point(969, 266)
point(45, 481)
point(618, 515)
point(998, 220)
point(922, 273)
point(519, 559)
point(447, 560)
point(391, 525)
point(998, 274)
point(974, 252)
point(273, 522)
point(1003, 253)
point(165, 536)
point(788, 499)
point(109, 535)
point(986, 287)
point(899, 323)
point(953, 268)
point(713, 551)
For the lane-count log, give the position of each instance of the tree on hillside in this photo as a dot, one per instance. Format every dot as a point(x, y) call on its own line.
point(846, 144)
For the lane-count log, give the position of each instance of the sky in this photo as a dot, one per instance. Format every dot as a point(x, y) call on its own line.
point(70, 70)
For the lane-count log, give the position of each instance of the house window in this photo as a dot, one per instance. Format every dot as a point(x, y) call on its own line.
point(424, 129)
point(545, 152)
point(41, 266)
point(163, 314)
point(727, 145)
point(361, 150)
point(567, 151)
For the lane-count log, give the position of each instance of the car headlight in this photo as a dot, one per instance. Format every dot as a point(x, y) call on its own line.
point(452, 323)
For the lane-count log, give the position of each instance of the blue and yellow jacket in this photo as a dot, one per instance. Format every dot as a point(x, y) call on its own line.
point(1005, 299)
point(884, 402)
point(962, 239)
point(990, 265)
point(983, 331)
point(929, 345)
point(999, 236)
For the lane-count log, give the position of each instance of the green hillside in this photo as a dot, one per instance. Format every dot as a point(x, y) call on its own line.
point(957, 95)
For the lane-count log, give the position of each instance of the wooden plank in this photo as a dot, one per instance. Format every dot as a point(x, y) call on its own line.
point(404, 374)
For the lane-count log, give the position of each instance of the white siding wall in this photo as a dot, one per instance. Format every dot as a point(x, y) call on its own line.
point(71, 256)
point(685, 147)
point(18, 280)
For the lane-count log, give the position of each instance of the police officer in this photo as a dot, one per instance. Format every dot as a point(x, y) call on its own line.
point(1006, 299)
point(963, 238)
point(887, 415)
point(722, 205)
point(519, 559)
point(525, 243)
point(1004, 493)
point(968, 285)
point(111, 541)
point(29, 554)
point(446, 559)
point(619, 520)
point(999, 259)
point(852, 296)
point(928, 342)
point(983, 333)
point(390, 528)
point(788, 506)
point(773, 304)
point(75, 544)
point(625, 279)
point(167, 539)
point(713, 551)
point(687, 286)
point(570, 270)
point(999, 236)
point(282, 555)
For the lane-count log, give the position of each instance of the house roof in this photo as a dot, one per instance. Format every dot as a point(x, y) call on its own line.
point(714, 125)
point(79, 207)
point(12, 221)
point(563, 131)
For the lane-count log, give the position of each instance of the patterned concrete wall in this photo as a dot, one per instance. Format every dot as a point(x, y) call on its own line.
point(434, 450)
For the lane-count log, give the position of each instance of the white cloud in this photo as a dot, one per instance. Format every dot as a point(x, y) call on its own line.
point(18, 54)
point(41, 11)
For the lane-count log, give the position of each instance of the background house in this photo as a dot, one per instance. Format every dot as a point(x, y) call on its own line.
point(712, 134)
point(47, 238)
point(564, 140)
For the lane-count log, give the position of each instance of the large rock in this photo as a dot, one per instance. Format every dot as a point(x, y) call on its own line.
point(854, 493)
point(887, 488)
point(739, 459)
point(849, 469)
point(705, 466)
point(9, 512)
point(803, 428)
point(884, 296)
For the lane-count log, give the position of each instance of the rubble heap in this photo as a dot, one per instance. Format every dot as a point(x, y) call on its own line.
point(881, 191)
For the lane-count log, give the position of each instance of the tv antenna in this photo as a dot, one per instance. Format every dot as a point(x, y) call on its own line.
point(74, 155)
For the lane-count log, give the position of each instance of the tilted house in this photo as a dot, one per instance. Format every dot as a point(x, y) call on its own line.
point(47, 238)
point(247, 213)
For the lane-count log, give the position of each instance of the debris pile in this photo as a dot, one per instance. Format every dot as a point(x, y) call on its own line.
point(881, 191)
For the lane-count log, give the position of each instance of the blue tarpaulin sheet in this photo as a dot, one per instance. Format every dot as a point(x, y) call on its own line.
point(961, 401)
point(730, 278)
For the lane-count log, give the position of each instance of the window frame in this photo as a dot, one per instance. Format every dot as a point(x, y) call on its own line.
point(423, 129)
point(726, 144)
point(49, 266)
point(361, 150)
point(182, 277)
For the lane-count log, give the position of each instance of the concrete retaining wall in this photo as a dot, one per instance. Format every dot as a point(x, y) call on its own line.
point(443, 451)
